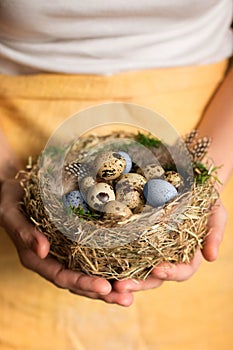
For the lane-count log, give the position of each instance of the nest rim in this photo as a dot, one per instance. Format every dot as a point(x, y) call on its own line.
point(136, 258)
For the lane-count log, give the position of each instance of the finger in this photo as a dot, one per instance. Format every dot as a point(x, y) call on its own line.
point(178, 272)
point(21, 231)
point(54, 272)
point(24, 234)
point(130, 285)
point(80, 283)
point(11, 193)
point(217, 222)
point(77, 282)
point(122, 299)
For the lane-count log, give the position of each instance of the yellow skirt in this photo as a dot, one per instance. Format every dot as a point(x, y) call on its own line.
point(35, 315)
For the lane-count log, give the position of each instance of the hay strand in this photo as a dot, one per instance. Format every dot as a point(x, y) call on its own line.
point(168, 234)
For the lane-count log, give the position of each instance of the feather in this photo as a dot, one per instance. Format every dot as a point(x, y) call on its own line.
point(197, 146)
point(78, 169)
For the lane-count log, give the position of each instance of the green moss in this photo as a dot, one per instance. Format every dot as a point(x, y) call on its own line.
point(82, 214)
point(202, 174)
point(170, 167)
point(148, 140)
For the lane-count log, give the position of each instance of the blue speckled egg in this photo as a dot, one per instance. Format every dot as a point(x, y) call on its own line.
point(158, 192)
point(74, 199)
point(128, 160)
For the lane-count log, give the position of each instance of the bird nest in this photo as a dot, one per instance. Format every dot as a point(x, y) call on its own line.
point(120, 248)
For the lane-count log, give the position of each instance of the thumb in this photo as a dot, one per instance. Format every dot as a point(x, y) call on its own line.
point(216, 224)
point(39, 244)
point(24, 234)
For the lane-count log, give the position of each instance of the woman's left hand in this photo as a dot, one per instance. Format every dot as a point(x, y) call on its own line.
point(183, 271)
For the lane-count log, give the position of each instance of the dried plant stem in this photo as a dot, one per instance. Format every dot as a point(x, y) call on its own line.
point(170, 234)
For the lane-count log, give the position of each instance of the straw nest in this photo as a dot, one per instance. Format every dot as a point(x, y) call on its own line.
point(119, 249)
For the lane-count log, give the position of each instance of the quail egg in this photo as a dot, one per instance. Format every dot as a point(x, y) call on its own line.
point(128, 160)
point(74, 199)
point(85, 183)
point(131, 196)
point(116, 210)
point(100, 194)
point(152, 171)
point(158, 192)
point(174, 178)
point(109, 165)
point(134, 180)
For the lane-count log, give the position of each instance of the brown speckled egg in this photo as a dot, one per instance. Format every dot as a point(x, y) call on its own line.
point(152, 171)
point(174, 178)
point(116, 210)
point(131, 196)
point(99, 194)
point(133, 180)
point(109, 165)
point(85, 184)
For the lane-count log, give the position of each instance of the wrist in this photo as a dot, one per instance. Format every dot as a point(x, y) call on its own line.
point(217, 123)
point(216, 159)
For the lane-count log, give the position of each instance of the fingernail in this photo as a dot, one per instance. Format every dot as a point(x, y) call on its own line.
point(105, 291)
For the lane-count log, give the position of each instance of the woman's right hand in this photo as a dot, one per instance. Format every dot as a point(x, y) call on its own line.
point(33, 250)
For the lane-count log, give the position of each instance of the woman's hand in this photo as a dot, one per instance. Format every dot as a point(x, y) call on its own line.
point(216, 123)
point(182, 272)
point(33, 250)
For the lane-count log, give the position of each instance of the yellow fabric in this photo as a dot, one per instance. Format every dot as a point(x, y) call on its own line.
point(35, 315)
point(33, 106)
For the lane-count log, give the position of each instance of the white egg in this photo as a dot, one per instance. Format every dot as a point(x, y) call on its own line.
point(85, 183)
point(99, 194)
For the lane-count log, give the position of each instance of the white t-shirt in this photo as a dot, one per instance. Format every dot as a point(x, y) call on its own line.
point(109, 36)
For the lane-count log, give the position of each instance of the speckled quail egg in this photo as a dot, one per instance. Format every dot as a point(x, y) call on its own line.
point(109, 165)
point(74, 199)
point(116, 210)
point(174, 178)
point(134, 180)
point(131, 196)
point(128, 160)
point(151, 171)
point(100, 194)
point(158, 192)
point(85, 184)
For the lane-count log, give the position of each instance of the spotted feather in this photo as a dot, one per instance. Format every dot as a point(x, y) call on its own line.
point(197, 146)
point(78, 169)
point(200, 148)
point(189, 139)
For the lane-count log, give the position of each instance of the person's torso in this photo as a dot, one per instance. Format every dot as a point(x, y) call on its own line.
point(104, 37)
